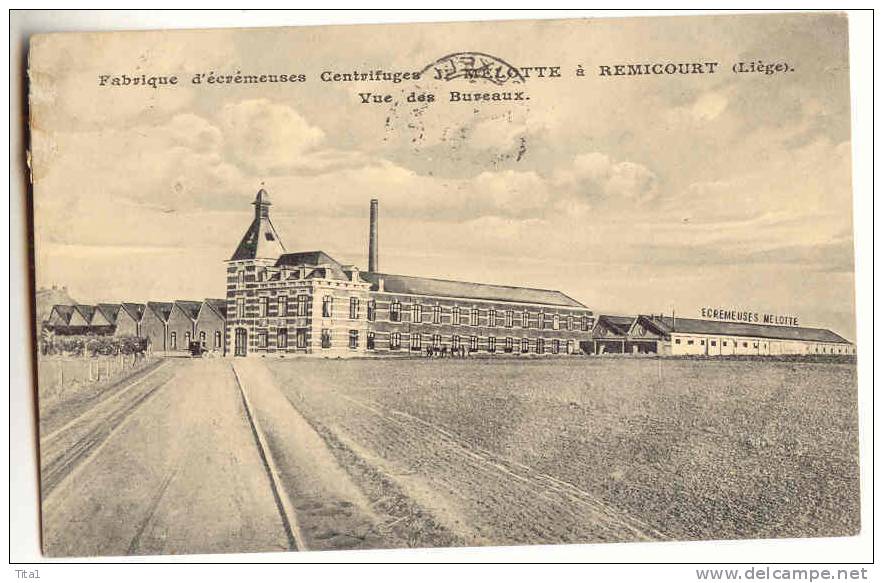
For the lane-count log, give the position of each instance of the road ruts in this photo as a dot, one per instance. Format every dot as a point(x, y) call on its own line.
point(64, 450)
point(172, 468)
point(287, 513)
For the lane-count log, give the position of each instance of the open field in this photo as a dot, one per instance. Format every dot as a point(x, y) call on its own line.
point(227, 455)
point(575, 449)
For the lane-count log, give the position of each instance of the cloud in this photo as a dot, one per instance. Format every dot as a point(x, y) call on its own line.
point(267, 137)
point(498, 134)
point(596, 177)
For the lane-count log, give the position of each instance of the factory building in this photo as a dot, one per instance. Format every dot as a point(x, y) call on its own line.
point(667, 335)
point(168, 326)
point(309, 303)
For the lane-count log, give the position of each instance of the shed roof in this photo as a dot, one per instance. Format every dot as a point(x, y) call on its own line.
point(617, 324)
point(110, 311)
point(219, 306)
point(136, 311)
point(64, 311)
point(189, 307)
point(161, 309)
point(85, 311)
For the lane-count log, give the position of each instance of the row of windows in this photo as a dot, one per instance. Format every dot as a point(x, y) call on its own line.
point(691, 342)
point(510, 317)
point(724, 344)
point(173, 340)
point(300, 338)
point(509, 344)
point(301, 308)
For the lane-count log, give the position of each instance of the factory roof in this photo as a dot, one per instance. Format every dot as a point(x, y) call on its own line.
point(667, 325)
point(404, 284)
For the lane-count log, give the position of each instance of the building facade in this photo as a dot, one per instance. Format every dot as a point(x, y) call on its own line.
point(167, 326)
point(308, 303)
point(654, 334)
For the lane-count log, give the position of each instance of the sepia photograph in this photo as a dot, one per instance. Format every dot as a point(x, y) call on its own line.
point(449, 284)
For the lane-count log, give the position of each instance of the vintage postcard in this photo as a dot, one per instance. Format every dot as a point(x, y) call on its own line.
point(455, 284)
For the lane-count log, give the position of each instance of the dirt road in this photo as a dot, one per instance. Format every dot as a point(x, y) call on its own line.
point(200, 456)
point(169, 466)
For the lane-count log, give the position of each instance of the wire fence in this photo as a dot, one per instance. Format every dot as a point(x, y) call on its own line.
point(65, 375)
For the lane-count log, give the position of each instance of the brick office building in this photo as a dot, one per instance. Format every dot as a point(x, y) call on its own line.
point(309, 303)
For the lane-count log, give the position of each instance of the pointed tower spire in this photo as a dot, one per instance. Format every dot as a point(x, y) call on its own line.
point(262, 205)
point(261, 241)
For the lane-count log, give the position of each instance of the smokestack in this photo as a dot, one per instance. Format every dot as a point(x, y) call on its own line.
point(372, 239)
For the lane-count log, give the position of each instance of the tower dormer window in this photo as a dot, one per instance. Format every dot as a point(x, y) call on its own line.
point(269, 236)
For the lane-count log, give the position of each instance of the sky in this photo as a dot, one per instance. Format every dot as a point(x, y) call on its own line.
point(631, 194)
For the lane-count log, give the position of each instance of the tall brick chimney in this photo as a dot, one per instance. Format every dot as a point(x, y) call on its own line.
point(372, 239)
